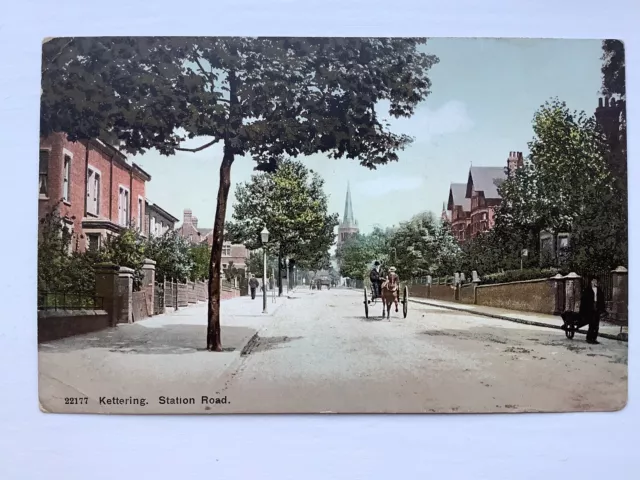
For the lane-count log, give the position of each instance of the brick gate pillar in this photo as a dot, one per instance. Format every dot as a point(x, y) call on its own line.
point(620, 295)
point(149, 283)
point(558, 286)
point(573, 291)
point(107, 289)
point(125, 295)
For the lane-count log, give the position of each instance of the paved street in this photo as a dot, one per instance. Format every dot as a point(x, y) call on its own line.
point(318, 353)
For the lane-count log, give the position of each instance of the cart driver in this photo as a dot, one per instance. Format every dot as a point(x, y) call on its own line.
point(374, 276)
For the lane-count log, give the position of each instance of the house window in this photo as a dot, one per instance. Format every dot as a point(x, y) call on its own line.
point(139, 213)
point(226, 250)
point(123, 207)
point(44, 172)
point(93, 191)
point(66, 178)
point(93, 242)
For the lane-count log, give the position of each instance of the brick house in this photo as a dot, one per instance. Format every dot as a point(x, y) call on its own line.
point(471, 206)
point(189, 230)
point(157, 220)
point(459, 211)
point(97, 189)
point(482, 190)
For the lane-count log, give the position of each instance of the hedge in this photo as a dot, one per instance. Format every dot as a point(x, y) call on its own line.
point(518, 275)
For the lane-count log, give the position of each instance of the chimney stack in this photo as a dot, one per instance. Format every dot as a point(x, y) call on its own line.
point(187, 216)
point(194, 222)
point(514, 162)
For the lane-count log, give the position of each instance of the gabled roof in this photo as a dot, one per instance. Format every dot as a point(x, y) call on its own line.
point(204, 231)
point(485, 179)
point(457, 196)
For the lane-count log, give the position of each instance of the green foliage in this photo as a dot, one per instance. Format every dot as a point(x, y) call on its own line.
point(357, 254)
point(255, 264)
point(292, 205)
point(58, 269)
point(127, 249)
point(599, 242)
point(565, 178)
point(264, 97)
point(200, 256)
point(518, 275)
point(173, 258)
point(418, 247)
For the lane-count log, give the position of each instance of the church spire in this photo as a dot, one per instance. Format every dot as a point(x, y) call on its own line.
point(348, 219)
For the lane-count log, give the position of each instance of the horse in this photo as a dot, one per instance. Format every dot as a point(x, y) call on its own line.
point(389, 292)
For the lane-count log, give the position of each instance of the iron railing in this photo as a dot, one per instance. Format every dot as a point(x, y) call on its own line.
point(605, 282)
point(69, 301)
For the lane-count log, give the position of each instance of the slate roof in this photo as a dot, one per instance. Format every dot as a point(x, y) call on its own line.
point(457, 196)
point(485, 179)
point(204, 231)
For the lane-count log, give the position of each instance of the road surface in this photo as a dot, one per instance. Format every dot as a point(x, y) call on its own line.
point(318, 353)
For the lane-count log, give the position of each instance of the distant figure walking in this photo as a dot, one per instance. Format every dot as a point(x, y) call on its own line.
point(592, 307)
point(253, 284)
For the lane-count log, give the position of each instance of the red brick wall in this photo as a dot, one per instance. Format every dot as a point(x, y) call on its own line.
point(99, 160)
point(528, 296)
point(467, 294)
point(59, 147)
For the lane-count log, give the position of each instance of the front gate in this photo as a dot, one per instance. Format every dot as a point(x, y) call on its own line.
point(158, 299)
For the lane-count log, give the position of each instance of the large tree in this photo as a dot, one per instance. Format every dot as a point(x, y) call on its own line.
point(292, 205)
point(566, 172)
point(356, 255)
point(258, 97)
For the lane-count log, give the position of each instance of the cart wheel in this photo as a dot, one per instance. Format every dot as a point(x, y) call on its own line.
point(570, 331)
point(366, 303)
point(405, 301)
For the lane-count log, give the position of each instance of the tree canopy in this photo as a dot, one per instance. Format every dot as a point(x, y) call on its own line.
point(292, 205)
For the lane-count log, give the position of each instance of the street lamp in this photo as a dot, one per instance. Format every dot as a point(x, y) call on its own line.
point(265, 238)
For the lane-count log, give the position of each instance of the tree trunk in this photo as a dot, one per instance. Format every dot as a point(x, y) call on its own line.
point(290, 273)
point(214, 340)
point(279, 274)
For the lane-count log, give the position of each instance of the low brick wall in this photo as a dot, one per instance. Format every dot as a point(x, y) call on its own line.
point(527, 296)
point(467, 294)
point(53, 325)
point(443, 292)
point(419, 291)
point(227, 293)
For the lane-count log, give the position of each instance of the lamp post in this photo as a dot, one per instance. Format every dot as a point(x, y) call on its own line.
point(265, 238)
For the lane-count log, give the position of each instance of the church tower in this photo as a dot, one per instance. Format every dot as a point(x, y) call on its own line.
point(349, 225)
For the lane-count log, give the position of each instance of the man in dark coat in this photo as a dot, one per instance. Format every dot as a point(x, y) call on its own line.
point(374, 276)
point(592, 306)
point(253, 284)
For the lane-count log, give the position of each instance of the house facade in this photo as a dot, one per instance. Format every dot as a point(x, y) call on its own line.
point(189, 230)
point(157, 220)
point(471, 206)
point(98, 192)
point(459, 211)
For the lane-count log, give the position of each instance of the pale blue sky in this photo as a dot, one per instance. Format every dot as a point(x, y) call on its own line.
point(484, 95)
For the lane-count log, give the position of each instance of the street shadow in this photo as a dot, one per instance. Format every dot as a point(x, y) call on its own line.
point(262, 344)
point(515, 341)
point(166, 340)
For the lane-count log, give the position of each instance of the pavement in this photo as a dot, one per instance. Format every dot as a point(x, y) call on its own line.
point(318, 353)
point(607, 330)
point(141, 358)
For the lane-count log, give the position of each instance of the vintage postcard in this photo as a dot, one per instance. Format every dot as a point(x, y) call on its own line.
point(335, 225)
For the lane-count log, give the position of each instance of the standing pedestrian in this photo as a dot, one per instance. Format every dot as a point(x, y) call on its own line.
point(592, 306)
point(253, 284)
